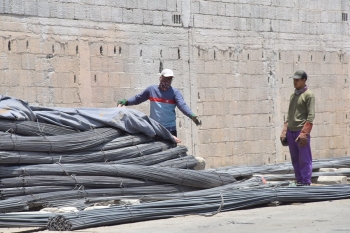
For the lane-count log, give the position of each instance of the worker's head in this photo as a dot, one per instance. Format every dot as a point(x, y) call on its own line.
point(299, 79)
point(165, 79)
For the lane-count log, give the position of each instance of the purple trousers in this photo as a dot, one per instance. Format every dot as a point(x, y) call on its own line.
point(301, 158)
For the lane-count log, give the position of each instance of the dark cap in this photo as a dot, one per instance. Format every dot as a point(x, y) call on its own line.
point(300, 74)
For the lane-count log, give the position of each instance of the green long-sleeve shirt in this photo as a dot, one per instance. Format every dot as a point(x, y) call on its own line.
point(301, 109)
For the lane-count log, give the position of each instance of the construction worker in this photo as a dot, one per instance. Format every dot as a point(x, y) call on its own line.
point(297, 128)
point(163, 100)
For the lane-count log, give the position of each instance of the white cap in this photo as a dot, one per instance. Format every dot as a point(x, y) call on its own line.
point(167, 73)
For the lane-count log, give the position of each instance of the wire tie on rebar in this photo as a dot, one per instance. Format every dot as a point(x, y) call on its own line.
point(182, 176)
point(222, 182)
point(20, 156)
point(104, 155)
point(15, 126)
point(115, 169)
point(62, 168)
point(74, 177)
point(14, 143)
point(24, 171)
point(121, 184)
point(40, 130)
point(52, 157)
point(132, 216)
point(139, 150)
point(49, 142)
point(79, 217)
point(275, 194)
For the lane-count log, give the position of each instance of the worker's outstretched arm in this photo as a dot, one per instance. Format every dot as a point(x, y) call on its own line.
point(137, 99)
point(181, 104)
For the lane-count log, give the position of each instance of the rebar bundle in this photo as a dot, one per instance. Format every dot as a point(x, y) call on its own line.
point(199, 179)
point(282, 168)
point(5, 193)
point(277, 177)
point(73, 180)
point(68, 198)
point(60, 143)
point(28, 219)
point(31, 128)
point(86, 156)
point(122, 141)
point(207, 205)
point(185, 162)
point(156, 157)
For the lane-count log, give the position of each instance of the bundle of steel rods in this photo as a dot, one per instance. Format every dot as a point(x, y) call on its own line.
point(200, 179)
point(60, 143)
point(185, 162)
point(282, 168)
point(28, 219)
point(208, 205)
point(314, 174)
point(61, 198)
point(122, 141)
point(155, 158)
point(31, 128)
point(73, 180)
point(5, 193)
point(87, 156)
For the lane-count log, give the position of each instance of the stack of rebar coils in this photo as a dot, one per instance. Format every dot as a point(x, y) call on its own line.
point(44, 165)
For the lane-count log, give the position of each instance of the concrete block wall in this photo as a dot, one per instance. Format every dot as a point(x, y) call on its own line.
point(232, 61)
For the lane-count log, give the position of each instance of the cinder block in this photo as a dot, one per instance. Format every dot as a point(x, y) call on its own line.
point(4, 63)
point(99, 79)
point(172, 6)
point(133, 4)
point(14, 61)
point(102, 94)
point(81, 11)
point(28, 61)
point(70, 96)
point(43, 8)
point(117, 15)
point(17, 7)
point(329, 180)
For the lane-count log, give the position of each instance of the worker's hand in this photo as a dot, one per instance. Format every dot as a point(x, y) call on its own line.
point(302, 139)
point(177, 140)
point(196, 120)
point(283, 136)
point(304, 133)
point(122, 102)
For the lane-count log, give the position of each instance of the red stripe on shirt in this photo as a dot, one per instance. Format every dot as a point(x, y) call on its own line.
point(161, 100)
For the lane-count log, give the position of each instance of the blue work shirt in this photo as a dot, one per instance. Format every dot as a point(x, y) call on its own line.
point(163, 105)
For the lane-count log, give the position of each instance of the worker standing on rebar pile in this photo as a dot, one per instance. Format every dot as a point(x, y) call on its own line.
point(163, 98)
point(297, 128)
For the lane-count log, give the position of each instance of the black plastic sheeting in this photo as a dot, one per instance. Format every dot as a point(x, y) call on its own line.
point(83, 119)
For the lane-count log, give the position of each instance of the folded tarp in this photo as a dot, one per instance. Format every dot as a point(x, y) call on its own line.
point(129, 120)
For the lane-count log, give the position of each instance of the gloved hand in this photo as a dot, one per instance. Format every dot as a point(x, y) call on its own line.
point(302, 138)
point(122, 102)
point(283, 136)
point(196, 120)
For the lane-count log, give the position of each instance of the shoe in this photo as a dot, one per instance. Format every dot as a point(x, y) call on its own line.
point(301, 184)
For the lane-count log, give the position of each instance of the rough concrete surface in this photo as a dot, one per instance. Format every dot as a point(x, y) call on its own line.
point(328, 216)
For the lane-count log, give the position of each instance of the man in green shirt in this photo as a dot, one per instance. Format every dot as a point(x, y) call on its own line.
point(297, 128)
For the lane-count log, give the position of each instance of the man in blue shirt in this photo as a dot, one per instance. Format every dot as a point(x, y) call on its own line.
point(163, 99)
